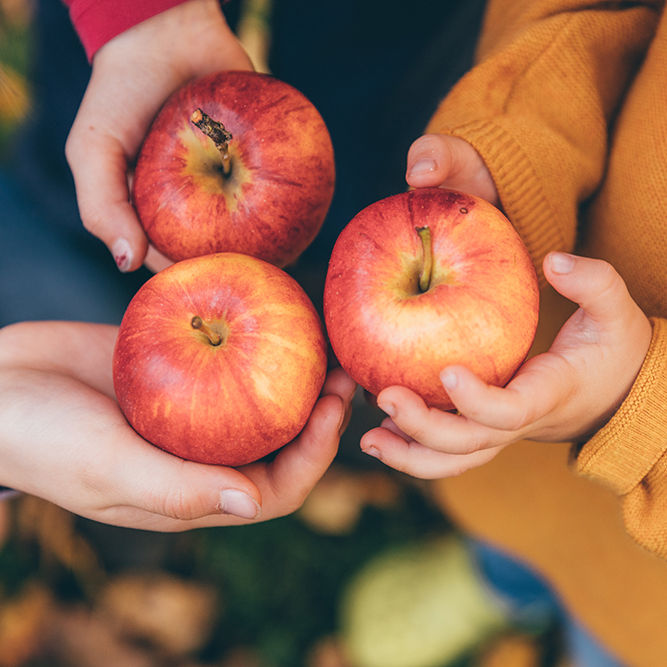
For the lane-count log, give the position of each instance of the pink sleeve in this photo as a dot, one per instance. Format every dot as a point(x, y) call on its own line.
point(97, 21)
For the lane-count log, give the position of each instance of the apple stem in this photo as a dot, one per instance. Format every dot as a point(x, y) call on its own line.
point(213, 337)
point(217, 133)
point(427, 268)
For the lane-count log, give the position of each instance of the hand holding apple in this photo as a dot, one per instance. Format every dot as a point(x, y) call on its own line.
point(219, 359)
point(566, 393)
point(426, 279)
point(94, 464)
point(132, 76)
point(235, 161)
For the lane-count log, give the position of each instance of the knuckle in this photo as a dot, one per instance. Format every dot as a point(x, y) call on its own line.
point(517, 420)
point(608, 278)
point(74, 149)
point(472, 445)
point(456, 471)
point(90, 219)
point(70, 149)
point(93, 480)
point(419, 434)
point(176, 505)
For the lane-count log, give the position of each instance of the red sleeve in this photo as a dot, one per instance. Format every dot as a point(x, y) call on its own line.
point(97, 21)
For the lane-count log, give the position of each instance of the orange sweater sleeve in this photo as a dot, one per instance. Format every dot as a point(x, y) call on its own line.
point(549, 79)
point(630, 452)
point(549, 76)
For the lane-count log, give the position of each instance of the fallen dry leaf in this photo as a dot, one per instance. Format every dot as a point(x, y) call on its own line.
point(242, 656)
point(54, 529)
point(78, 636)
point(327, 652)
point(335, 504)
point(174, 615)
point(22, 623)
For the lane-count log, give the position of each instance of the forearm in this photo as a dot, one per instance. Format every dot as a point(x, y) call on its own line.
point(629, 453)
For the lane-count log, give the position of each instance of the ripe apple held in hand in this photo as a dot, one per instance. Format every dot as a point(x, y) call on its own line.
point(425, 279)
point(219, 359)
point(235, 161)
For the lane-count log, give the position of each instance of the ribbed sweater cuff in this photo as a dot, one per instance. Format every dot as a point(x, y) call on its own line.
point(98, 21)
point(519, 188)
point(624, 451)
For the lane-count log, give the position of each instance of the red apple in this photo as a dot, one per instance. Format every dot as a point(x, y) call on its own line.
point(219, 359)
point(425, 279)
point(235, 161)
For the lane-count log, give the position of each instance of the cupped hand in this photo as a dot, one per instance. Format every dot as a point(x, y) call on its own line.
point(440, 160)
point(64, 439)
point(566, 393)
point(132, 76)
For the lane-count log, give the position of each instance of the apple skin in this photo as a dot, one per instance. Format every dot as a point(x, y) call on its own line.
point(480, 310)
point(277, 195)
point(226, 404)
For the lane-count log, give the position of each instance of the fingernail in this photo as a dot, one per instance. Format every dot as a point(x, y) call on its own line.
point(561, 262)
point(424, 165)
point(373, 451)
point(233, 501)
point(122, 254)
point(449, 379)
point(387, 408)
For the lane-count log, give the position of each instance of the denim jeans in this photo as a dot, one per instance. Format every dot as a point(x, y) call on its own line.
point(531, 601)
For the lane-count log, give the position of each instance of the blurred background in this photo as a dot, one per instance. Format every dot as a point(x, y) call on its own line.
point(369, 560)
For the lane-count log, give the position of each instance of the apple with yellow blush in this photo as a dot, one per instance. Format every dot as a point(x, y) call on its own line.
point(235, 162)
point(219, 359)
point(426, 279)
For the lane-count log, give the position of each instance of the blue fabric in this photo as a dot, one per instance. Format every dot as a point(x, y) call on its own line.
point(531, 602)
point(50, 272)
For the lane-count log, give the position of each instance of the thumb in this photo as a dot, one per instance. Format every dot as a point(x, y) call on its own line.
point(592, 283)
point(99, 168)
point(443, 160)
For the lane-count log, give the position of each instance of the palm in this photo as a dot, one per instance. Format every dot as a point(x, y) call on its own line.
point(79, 452)
point(132, 76)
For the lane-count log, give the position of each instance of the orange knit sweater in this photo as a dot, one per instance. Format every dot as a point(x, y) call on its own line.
point(568, 107)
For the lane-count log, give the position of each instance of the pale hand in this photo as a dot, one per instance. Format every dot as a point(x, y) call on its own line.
point(132, 76)
point(64, 439)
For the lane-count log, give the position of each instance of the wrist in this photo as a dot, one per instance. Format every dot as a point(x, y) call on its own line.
point(97, 22)
point(187, 39)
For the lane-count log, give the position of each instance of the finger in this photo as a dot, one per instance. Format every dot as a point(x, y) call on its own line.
point(289, 478)
point(99, 167)
point(338, 382)
point(417, 460)
point(285, 482)
point(443, 160)
point(433, 428)
point(592, 283)
point(538, 388)
point(390, 426)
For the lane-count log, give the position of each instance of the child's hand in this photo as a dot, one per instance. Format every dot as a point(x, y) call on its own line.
point(442, 160)
point(568, 392)
point(63, 438)
point(133, 74)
